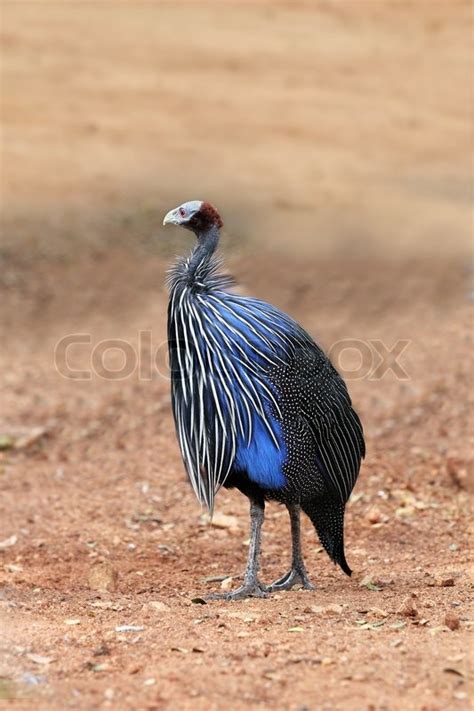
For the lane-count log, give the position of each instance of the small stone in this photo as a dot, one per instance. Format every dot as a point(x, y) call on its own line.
point(445, 582)
point(102, 651)
point(327, 661)
point(332, 609)
point(405, 511)
point(378, 612)
point(226, 584)
point(408, 607)
point(374, 516)
point(244, 616)
point(221, 520)
point(103, 578)
point(451, 620)
point(129, 628)
point(457, 472)
point(158, 606)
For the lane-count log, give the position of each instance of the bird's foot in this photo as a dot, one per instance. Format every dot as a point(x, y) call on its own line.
point(253, 588)
point(294, 577)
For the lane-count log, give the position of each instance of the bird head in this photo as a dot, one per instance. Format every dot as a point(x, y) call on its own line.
point(196, 215)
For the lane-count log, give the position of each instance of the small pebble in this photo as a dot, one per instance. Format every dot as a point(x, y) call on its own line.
point(445, 582)
point(103, 578)
point(408, 607)
point(374, 516)
point(158, 606)
point(227, 583)
point(451, 620)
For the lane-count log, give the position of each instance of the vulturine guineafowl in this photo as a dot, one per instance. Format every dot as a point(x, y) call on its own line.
point(257, 405)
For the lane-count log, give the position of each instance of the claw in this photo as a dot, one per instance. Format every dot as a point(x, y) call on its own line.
point(295, 576)
point(255, 589)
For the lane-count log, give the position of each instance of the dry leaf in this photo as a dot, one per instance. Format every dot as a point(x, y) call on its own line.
point(214, 578)
point(6, 442)
point(8, 542)
point(129, 628)
point(398, 625)
point(30, 437)
point(452, 670)
point(368, 583)
point(333, 609)
point(363, 625)
point(38, 659)
point(13, 568)
point(436, 630)
point(198, 601)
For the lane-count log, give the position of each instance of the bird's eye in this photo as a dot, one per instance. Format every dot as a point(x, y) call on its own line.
point(182, 211)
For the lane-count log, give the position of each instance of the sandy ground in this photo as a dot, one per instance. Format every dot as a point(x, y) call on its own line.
point(335, 139)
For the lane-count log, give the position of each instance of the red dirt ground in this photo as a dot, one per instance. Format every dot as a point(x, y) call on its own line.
point(105, 485)
point(336, 139)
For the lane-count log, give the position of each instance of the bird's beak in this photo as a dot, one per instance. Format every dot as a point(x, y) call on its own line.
point(171, 218)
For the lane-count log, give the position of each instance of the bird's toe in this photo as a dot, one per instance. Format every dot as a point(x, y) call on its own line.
point(256, 589)
point(293, 578)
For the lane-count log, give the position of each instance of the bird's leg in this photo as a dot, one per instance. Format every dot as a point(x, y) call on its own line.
point(297, 575)
point(252, 586)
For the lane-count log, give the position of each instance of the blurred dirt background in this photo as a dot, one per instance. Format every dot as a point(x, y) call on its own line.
point(336, 140)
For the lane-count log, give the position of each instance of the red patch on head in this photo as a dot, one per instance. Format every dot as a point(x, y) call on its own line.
point(209, 215)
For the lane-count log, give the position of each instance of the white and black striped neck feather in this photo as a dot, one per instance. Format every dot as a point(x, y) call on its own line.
point(199, 272)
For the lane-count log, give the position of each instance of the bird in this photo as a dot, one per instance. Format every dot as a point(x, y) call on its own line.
point(257, 406)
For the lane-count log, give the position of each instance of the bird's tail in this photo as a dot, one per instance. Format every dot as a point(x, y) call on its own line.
point(327, 516)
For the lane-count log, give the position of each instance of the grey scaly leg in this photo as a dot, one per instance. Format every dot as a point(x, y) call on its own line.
point(297, 575)
point(252, 586)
